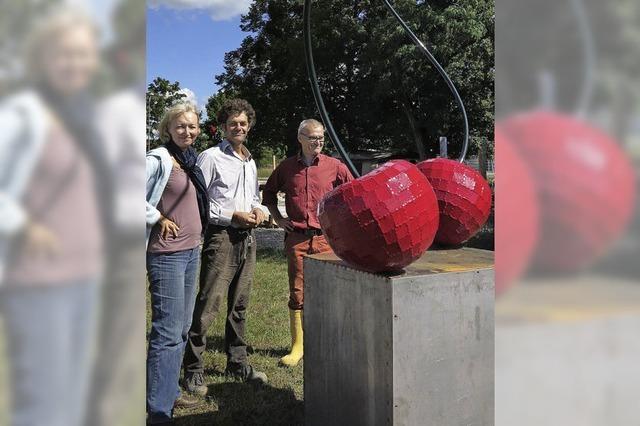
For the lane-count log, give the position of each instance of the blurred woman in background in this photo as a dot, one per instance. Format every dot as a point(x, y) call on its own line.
point(53, 188)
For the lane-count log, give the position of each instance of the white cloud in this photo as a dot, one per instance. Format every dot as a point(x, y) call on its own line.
point(218, 9)
point(190, 96)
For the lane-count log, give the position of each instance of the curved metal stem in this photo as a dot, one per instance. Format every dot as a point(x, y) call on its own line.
point(442, 72)
point(313, 79)
point(589, 54)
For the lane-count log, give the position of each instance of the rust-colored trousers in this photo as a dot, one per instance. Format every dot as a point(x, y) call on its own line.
point(297, 246)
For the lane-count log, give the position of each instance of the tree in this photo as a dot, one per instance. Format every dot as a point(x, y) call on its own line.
point(160, 95)
point(561, 50)
point(209, 122)
point(379, 91)
point(460, 35)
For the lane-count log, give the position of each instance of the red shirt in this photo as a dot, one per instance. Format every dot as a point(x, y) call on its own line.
point(304, 186)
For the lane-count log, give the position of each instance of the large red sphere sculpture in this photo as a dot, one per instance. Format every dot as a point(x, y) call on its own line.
point(516, 214)
point(464, 198)
point(585, 184)
point(382, 221)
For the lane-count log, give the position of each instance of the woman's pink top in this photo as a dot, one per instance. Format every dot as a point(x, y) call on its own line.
point(62, 198)
point(178, 203)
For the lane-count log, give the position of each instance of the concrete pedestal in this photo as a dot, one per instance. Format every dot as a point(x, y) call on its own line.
point(410, 349)
point(567, 352)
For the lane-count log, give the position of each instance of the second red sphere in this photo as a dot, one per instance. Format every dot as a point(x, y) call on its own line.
point(464, 199)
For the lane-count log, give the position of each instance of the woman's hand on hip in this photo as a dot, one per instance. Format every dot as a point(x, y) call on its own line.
point(41, 241)
point(167, 227)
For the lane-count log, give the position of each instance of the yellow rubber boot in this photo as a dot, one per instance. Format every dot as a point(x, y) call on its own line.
point(295, 356)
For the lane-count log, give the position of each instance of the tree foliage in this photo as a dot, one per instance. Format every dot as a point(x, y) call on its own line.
point(587, 51)
point(381, 93)
point(209, 124)
point(161, 94)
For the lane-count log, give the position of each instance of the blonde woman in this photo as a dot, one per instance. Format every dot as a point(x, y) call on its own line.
point(177, 212)
point(53, 224)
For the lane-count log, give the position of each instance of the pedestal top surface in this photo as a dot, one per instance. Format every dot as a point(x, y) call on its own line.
point(432, 262)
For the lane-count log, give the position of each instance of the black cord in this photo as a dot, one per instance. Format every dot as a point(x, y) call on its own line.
point(313, 79)
point(442, 72)
point(589, 54)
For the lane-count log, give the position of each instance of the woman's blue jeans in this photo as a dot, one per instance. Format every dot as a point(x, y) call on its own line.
point(49, 336)
point(172, 283)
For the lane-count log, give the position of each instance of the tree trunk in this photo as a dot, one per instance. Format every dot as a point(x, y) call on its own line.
point(417, 134)
point(482, 157)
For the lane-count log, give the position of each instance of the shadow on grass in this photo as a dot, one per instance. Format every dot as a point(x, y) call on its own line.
point(247, 404)
point(273, 352)
point(215, 343)
point(482, 240)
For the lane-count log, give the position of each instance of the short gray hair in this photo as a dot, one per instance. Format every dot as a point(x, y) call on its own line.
point(172, 113)
point(309, 122)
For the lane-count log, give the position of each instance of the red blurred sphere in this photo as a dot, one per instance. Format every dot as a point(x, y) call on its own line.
point(464, 198)
point(382, 221)
point(516, 214)
point(585, 183)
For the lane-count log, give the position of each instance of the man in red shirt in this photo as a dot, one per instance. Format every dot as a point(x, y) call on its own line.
point(304, 178)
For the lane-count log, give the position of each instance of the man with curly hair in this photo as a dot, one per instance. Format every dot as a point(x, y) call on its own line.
point(229, 249)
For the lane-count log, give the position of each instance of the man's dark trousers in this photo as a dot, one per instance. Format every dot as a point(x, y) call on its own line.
point(228, 264)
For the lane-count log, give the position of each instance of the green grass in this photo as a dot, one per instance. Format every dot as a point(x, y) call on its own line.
point(264, 172)
point(279, 402)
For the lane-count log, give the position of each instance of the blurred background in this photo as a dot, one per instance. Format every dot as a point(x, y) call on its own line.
point(72, 150)
point(567, 224)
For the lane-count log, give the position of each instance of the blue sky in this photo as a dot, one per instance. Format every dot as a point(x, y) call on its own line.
point(189, 46)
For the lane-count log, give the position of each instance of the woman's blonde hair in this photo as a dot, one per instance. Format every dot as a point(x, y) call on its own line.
point(171, 114)
point(47, 30)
